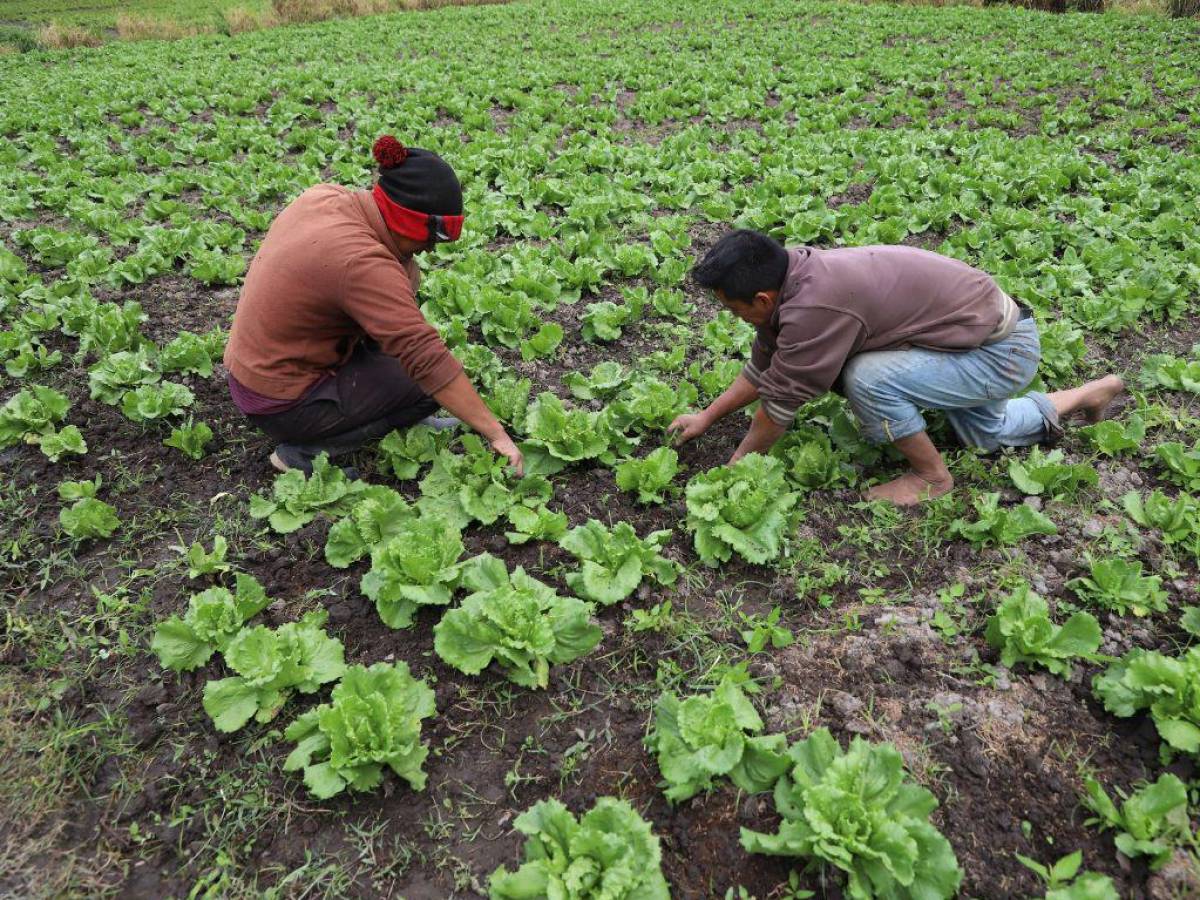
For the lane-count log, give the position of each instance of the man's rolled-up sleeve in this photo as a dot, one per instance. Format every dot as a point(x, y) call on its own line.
point(813, 345)
point(752, 373)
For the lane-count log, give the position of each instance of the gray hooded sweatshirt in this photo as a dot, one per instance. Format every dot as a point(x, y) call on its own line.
point(836, 303)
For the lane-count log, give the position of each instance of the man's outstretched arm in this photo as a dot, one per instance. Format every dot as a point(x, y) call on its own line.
point(691, 425)
point(761, 437)
point(461, 399)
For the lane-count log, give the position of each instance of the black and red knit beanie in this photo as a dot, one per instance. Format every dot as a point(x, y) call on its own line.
point(416, 181)
point(418, 193)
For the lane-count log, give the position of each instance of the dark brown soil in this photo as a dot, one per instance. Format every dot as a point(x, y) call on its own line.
point(157, 789)
point(991, 774)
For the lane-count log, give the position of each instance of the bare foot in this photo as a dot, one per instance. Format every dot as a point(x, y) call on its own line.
point(1098, 395)
point(910, 489)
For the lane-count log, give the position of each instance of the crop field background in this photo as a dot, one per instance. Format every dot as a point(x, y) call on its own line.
point(105, 12)
point(603, 147)
point(57, 24)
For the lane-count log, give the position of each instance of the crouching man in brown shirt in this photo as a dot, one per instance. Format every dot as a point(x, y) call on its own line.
point(328, 348)
point(895, 330)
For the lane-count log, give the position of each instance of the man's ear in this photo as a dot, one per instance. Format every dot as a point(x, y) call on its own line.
point(767, 297)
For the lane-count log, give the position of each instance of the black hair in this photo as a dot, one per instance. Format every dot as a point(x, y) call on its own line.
point(741, 264)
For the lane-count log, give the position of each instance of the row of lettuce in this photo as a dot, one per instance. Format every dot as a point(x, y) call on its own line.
point(129, 371)
point(742, 509)
point(522, 627)
point(830, 800)
point(627, 404)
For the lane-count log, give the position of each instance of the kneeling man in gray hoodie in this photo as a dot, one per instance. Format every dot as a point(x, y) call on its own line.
point(895, 330)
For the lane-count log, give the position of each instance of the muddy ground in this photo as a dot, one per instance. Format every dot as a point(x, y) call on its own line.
point(115, 782)
point(1003, 751)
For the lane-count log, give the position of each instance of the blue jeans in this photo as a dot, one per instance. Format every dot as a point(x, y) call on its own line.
point(887, 390)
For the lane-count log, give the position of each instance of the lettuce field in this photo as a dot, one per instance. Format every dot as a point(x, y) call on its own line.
point(637, 672)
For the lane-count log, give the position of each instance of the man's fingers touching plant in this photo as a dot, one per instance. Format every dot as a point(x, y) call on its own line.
point(688, 426)
point(461, 398)
point(505, 447)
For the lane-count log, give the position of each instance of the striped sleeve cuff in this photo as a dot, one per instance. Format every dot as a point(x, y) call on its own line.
point(779, 412)
point(751, 373)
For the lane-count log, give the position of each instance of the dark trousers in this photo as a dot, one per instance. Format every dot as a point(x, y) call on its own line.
point(366, 398)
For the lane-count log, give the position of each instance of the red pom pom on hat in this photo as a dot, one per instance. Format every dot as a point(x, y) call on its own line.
point(389, 152)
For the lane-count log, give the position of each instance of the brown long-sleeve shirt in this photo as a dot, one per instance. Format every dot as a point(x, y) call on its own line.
point(836, 303)
point(329, 272)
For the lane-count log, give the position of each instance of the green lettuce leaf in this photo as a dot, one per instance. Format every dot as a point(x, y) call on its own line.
point(373, 720)
point(1152, 821)
point(1182, 464)
point(32, 411)
point(115, 374)
point(1177, 519)
point(604, 382)
point(417, 567)
point(1047, 473)
point(998, 525)
point(156, 401)
point(1168, 687)
point(1022, 631)
point(648, 402)
point(58, 444)
point(706, 736)
point(89, 518)
point(477, 486)
point(812, 462)
point(649, 476)
point(296, 500)
point(615, 561)
point(854, 810)
point(404, 451)
point(539, 524)
point(190, 438)
point(1119, 585)
point(212, 620)
point(515, 621)
point(1113, 438)
point(558, 436)
point(372, 521)
point(610, 853)
point(270, 666)
point(742, 508)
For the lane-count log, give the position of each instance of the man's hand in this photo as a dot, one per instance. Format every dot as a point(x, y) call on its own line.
point(692, 425)
point(505, 447)
point(688, 426)
point(464, 401)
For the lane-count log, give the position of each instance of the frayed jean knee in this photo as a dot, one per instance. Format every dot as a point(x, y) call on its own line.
point(887, 390)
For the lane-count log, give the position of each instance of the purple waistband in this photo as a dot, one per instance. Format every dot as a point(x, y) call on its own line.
point(252, 403)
